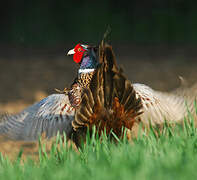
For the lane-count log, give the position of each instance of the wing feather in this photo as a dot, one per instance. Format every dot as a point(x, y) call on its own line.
point(160, 106)
point(50, 115)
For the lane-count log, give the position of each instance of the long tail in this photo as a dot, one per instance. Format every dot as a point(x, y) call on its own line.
point(110, 102)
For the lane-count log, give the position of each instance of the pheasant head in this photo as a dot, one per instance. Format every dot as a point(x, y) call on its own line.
point(85, 56)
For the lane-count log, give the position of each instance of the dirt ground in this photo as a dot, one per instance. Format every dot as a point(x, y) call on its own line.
point(29, 74)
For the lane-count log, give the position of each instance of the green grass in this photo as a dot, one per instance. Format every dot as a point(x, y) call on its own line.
point(170, 154)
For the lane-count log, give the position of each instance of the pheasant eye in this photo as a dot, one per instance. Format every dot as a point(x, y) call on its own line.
point(79, 49)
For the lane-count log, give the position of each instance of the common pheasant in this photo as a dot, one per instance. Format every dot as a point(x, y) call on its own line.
point(102, 96)
point(99, 91)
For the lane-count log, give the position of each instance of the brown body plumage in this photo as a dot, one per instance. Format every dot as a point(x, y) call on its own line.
point(109, 103)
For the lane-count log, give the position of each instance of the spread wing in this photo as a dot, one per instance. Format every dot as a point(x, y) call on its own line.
point(161, 106)
point(50, 115)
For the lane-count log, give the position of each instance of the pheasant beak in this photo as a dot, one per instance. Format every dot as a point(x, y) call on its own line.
point(71, 52)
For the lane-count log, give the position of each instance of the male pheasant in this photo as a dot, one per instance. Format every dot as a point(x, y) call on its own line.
point(102, 96)
point(99, 96)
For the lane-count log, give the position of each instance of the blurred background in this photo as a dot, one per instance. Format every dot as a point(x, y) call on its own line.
point(155, 42)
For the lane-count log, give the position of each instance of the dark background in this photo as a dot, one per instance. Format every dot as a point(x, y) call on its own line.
point(49, 23)
point(154, 40)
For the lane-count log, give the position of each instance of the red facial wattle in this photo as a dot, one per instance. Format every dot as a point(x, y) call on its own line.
point(79, 51)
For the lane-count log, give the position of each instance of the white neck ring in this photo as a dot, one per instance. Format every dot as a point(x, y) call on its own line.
point(85, 70)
